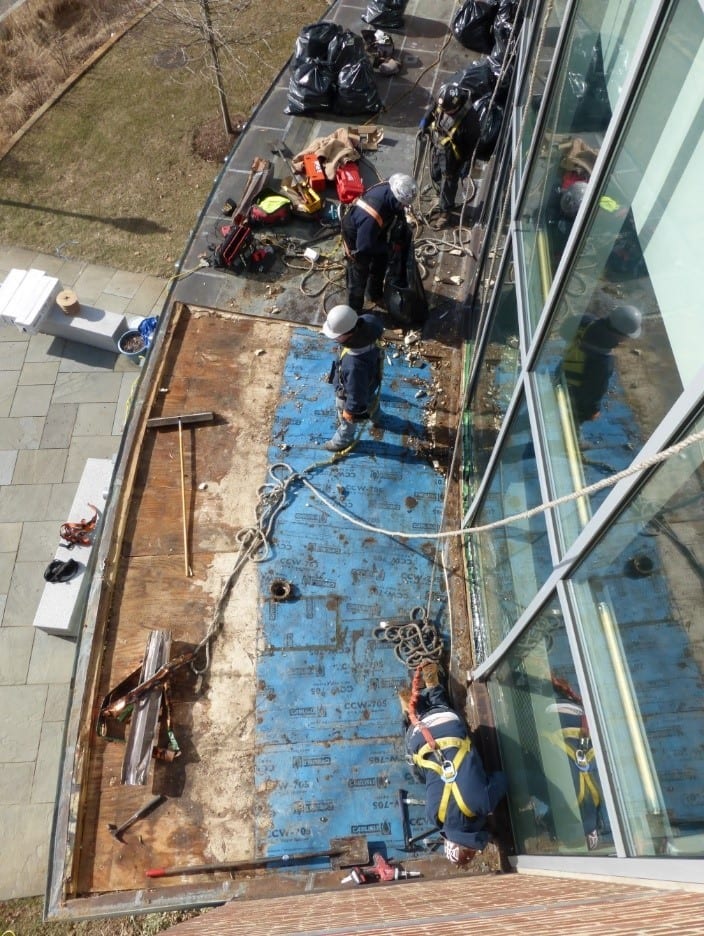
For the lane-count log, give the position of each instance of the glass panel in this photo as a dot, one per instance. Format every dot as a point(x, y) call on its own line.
point(639, 597)
point(589, 83)
point(627, 334)
point(548, 21)
point(497, 375)
point(555, 793)
point(510, 563)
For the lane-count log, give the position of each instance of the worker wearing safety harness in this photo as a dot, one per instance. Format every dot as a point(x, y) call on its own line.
point(573, 739)
point(587, 362)
point(453, 126)
point(356, 372)
point(460, 797)
point(365, 233)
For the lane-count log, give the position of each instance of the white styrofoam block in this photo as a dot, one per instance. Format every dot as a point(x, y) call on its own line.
point(90, 326)
point(56, 613)
point(7, 291)
point(33, 299)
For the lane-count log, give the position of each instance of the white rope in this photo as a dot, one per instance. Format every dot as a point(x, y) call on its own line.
point(515, 518)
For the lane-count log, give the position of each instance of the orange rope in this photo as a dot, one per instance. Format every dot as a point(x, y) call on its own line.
point(413, 717)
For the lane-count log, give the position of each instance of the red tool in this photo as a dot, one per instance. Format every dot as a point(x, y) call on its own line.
point(348, 182)
point(381, 871)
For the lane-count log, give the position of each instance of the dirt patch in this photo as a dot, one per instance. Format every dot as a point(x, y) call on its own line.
point(211, 142)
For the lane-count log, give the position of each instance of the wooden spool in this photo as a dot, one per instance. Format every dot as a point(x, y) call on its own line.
point(67, 301)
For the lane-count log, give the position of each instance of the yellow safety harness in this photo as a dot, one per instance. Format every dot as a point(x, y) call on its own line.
point(448, 139)
point(427, 758)
point(583, 760)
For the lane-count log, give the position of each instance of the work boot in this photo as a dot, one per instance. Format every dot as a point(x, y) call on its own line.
point(431, 673)
point(404, 697)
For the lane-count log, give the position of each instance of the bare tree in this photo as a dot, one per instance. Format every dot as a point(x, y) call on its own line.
point(212, 32)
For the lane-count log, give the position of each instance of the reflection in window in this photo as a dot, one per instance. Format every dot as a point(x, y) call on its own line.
point(555, 794)
point(589, 83)
point(639, 598)
point(497, 374)
point(549, 20)
point(510, 563)
point(627, 335)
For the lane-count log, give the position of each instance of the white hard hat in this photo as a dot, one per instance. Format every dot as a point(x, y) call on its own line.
point(341, 320)
point(627, 320)
point(403, 187)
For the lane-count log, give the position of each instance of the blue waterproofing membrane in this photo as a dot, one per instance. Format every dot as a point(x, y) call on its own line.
point(329, 737)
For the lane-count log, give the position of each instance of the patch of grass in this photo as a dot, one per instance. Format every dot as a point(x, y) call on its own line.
point(24, 918)
point(42, 42)
point(111, 173)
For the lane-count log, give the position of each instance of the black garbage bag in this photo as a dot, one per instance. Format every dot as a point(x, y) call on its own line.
point(311, 88)
point(404, 295)
point(472, 24)
point(313, 42)
point(491, 117)
point(356, 90)
point(385, 14)
point(501, 31)
point(346, 48)
point(476, 78)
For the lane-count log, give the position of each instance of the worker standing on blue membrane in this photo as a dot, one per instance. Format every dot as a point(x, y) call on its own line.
point(356, 371)
point(460, 797)
point(366, 228)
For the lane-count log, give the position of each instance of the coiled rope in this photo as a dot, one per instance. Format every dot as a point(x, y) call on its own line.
point(414, 640)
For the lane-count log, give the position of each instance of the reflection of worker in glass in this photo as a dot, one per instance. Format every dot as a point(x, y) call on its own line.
point(573, 738)
point(588, 360)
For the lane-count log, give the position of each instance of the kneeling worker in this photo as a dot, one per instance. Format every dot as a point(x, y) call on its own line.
point(356, 372)
point(459, 796)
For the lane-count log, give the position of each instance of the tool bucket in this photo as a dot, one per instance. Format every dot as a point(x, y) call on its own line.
point(132, 344)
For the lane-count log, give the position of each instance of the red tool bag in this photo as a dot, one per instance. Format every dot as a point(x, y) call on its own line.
point(235, 251)
point(349, 182)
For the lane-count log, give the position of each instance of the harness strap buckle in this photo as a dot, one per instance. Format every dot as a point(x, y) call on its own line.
point(449, 771)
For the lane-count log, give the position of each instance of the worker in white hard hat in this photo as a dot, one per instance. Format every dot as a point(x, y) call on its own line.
point(366, 228)
point(356, 372)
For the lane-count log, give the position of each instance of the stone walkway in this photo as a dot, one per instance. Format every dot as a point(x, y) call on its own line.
point(60, 403)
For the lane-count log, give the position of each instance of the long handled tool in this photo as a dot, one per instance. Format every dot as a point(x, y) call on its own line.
point(117, 831)
point(159, 422)
point(344, 852)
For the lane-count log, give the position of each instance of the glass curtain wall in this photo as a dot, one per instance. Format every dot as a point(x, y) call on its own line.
point(588, 83)
point(598, 696)
point(625, 334)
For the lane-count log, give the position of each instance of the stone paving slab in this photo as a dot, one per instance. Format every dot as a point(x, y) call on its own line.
point(40, 466)
point(33, 374)
point(8, 460)
point(15, 654)
point(8, 386)
point(27, 826)
point(21, 716)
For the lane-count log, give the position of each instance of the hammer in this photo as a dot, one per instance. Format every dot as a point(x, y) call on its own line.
point(117, 831)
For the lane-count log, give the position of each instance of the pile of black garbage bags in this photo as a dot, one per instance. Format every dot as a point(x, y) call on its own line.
point(486, 26)
point(331, 72)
